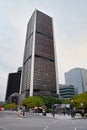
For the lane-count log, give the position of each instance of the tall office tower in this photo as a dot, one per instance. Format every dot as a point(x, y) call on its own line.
point(39, 73)
point(78, 78)
point(13, 84)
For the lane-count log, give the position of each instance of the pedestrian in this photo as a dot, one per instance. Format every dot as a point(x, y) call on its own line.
point(53, 113)
point(44, 112)
point(82, 113)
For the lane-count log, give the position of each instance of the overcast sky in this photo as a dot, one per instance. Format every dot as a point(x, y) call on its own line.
point(70, 31)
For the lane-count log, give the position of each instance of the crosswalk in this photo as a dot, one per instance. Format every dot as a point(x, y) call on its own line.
point(48, 115)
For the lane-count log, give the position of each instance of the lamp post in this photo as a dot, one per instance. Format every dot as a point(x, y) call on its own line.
point(82, 111)
point(53, 108)
point(81, 104)
point(23, 109)
point(72, 109)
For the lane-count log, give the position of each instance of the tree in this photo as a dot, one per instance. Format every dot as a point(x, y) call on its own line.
point(33, 101)
point(47, 101)
point(10, 106)
point(65, 101)
point(80, 101)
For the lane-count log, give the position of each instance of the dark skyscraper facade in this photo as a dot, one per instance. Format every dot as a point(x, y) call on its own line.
point(39, 72)
point(13, 84)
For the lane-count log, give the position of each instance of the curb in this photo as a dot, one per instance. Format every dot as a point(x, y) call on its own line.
point(21, 116)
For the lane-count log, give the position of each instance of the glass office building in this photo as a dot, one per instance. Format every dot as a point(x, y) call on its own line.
point(39, 71)
point(78, 78)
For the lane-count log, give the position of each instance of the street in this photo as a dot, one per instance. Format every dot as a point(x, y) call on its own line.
point(9, 120)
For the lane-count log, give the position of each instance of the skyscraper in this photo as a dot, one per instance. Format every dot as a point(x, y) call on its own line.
point(78, 78)
point(39, 72)
point(13, 84)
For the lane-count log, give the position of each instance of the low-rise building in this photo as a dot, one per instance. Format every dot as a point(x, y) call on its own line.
point(67, 91)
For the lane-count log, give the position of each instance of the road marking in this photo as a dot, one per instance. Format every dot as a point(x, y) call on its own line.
point(3, 128)
point(75, 128)
point(73, 123)
point(45, 128)
point(82, 128)
point(52, 123)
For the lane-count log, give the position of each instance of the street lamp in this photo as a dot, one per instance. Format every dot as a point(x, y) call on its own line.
point(81, 104)
point(82, 111)
point(53, 107)
point(72, 109)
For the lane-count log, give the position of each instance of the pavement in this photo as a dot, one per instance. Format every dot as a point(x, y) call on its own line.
point(12, 120)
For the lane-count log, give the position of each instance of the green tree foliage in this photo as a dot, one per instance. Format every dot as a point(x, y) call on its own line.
point(10, 106)
point(33, 101)
point(80, 100)
point(48, 101)
point(65, 101)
